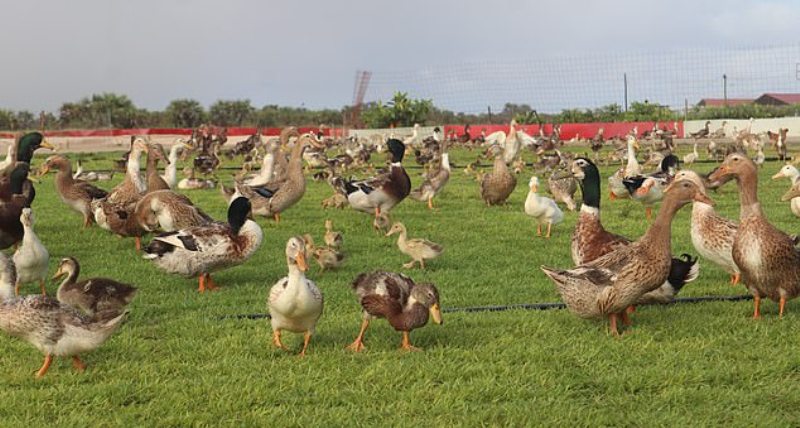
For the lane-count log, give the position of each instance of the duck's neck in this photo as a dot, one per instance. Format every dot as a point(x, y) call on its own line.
point(402, 237)
point(446, 161)
point(6, 284)
point(296, 277)
point(748, 191)
point(590, 191)
point(413, 315)
point(632, 162)
point(661, 231)
point(64, 177)
point(133, 169)
point(72, 277)
point(500, 164)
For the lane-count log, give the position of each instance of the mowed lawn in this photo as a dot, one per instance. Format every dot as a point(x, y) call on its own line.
point(180, 359)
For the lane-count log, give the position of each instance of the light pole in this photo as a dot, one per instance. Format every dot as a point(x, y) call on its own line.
point(725, 89)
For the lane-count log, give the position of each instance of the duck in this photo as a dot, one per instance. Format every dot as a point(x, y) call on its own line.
point(326, 257)
point(56, 329)
point(767, 257)
point(271, 202)
point(418, 249)
point(77, 195)
point(11, 157)
point(590, 240)
point(190, 182)
point(171, 170)
point(610, 284)
point(406, 305)
point(133, 186)
point(692, 157)
point(168, 211)
point(617, 189)
point(760, 157)
point(497, 185)
point(543, 209)
point(31, 257)
point(295, 302)
point(332, 238)
point(154, 181)
point(93, 295)
point(119, 219)
point(81, 175)
point(16, 193)
point(265, 174)
point(649, 189)
point(383, 192)
point(712, 234)
point(563, 190)
point(201, 250)
point(435, 180)
point(791, 172)
point(632, 167)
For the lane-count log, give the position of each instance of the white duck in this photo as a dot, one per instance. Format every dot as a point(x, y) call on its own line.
point(632, 168)
point(543, 209)
point(171, 171)
point(295, 302)
point(791, 172)
point(31, 257)
point(265, 174)
point(692, 157)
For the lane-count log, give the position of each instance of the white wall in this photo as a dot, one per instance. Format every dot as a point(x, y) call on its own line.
point(759, 125)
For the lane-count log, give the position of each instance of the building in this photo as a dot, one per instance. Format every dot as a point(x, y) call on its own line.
point(774, 99)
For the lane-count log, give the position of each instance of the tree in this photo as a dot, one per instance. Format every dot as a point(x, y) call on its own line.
point(102, 110)
point(400, 111)
point(231, 113)
point(185, 113)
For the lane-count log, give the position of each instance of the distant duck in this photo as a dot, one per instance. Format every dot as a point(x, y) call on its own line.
point(791, 172)
point(649, 189)
point(383, 192)
point(171, 170)
point(692, 157)
point(543, 209)
point(497, 185)
point(332, 238)
point(435, 180)
point(295, 302)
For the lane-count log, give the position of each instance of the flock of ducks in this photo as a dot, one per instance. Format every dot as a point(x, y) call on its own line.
point(613, 274)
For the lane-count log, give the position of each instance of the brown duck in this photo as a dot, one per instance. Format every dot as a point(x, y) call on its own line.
point(78, 195)
point(767, 257)
point(607, 286)
point(394, 296)
point(93, 295)
point(497, 185)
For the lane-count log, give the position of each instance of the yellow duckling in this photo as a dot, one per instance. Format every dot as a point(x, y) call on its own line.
point(419, 249)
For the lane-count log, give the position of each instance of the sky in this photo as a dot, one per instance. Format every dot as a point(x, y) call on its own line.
point(305, 53)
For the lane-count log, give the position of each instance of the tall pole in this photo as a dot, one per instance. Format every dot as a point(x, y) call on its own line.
point(625, 81)
point(489, 109)
point(725, 88)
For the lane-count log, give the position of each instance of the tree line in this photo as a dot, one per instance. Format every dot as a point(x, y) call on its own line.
point(110, 110)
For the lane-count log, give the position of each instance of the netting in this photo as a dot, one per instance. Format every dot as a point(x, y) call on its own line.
point(565, 81)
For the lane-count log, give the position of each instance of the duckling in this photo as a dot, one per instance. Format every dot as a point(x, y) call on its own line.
point(31, 257)
point(405, 304)
point(332, 238)
point(337, 200)
point(94, 295)
point(419, 249)
point(327, 258)
point(56, 329)
point(295, 302)
point(543, 209)
point(193, 183)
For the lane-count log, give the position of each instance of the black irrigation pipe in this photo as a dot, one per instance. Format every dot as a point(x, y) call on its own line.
point(537, 306)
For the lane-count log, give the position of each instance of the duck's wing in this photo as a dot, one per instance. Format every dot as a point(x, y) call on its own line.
point(199, 238)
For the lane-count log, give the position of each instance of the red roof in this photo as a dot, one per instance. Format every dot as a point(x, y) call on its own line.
point(785, 98)
point(720, 102)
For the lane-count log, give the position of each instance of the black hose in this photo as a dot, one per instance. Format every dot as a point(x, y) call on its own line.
point(538, 306)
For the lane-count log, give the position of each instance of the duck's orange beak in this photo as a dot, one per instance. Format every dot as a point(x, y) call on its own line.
point(436, 314)
point(46, 145)
point(300, 259)
point(722, 171)
point(778, 175)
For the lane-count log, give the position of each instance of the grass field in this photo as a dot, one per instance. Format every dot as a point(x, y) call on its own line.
point(177, 361)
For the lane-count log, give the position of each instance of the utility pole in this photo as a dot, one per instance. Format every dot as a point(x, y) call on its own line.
point(625, 81)
point(725, 88)
point(489, 109)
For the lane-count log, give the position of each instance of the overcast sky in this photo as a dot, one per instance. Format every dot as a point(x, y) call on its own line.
point(299, 52)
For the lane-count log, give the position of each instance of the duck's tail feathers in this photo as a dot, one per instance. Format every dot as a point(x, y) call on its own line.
point(683, 271)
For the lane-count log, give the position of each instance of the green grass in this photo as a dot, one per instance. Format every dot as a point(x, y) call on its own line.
point(175, 362)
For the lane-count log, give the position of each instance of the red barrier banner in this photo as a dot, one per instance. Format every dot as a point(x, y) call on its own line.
point(570, 130)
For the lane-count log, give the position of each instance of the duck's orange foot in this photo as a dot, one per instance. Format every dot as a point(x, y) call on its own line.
point(356, 346)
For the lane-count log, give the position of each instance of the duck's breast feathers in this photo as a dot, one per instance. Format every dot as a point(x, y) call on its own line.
point(381, 306)
point(105, 287)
